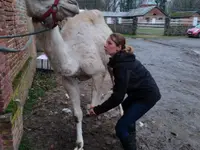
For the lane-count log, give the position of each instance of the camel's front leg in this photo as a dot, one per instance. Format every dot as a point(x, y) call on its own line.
point(71, 85)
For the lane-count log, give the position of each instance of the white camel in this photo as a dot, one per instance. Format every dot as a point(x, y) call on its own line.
point(76, 52)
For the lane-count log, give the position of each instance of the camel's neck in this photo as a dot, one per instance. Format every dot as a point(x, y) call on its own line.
point(57, 51)
point(49, 39)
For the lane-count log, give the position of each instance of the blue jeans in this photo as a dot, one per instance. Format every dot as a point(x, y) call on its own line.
point(131, 115)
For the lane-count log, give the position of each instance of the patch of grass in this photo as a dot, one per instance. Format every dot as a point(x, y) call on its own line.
point(25, 144)
point(182, 14)
point(151, 36)
point(150, 31)
point(43, 81)
point(141, 36)
point(12, 107)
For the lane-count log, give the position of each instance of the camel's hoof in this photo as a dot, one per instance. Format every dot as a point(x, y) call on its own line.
point(79, 146)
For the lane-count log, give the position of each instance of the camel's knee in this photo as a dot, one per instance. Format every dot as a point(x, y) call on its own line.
point(78, 116)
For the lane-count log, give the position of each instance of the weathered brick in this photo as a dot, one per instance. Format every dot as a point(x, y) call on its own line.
point(5, 126)
point(2, 25)
point(11, 45)
point(2, 59)
point(1, 5)
point(2, 41)
point(7, 147)
point(11, 1)
point(13, 21)
point(1, 11)
point(6, 96)
point(7, 3)
point(7, 137)
point(7, 143)
point(10, 23)
point(1, 102)
point(2, 68)
point(6, 70)
point(3, 32)
point(1, 140)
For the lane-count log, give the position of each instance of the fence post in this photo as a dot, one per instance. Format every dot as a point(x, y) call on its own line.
point(135, 21)
point(167, 26)
point(114, 25)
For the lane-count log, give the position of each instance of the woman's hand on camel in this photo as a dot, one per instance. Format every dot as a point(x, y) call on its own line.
point(90, 110)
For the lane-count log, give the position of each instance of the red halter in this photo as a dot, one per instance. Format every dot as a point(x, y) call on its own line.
point(52, 10)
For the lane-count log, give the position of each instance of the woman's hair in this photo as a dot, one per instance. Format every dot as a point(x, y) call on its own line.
point(120, 40)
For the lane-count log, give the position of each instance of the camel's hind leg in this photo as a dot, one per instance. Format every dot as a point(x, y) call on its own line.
point(107, 95)
point(112, 80)
point(96, 88)
point(71, 85)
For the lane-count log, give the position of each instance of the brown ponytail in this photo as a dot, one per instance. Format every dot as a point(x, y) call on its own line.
point(120, 40)
point(129, 49)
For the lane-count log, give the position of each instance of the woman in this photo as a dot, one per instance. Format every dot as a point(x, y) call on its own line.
point(133, 79)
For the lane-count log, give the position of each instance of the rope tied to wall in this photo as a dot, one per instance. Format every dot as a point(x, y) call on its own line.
point(5, 49)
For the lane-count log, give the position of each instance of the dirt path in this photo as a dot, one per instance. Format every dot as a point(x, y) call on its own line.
point(173, 124)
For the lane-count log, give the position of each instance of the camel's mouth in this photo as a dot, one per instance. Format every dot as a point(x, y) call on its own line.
point(70, 9)
point(68, 12)
point(67, 9)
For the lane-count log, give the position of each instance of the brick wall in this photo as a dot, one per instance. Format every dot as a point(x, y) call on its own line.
point(13, 20)
point(11, 124)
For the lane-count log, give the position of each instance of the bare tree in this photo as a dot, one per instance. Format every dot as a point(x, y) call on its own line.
point(185, 5)
point(105, 5)
point(92, 4)
point(161, 4)
point(112, 5)
point(126, 5)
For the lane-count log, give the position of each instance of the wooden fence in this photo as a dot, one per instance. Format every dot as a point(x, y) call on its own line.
point(179, 26)
point(181, 22)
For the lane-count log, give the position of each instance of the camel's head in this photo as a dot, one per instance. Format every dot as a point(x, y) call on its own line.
point(51, 11)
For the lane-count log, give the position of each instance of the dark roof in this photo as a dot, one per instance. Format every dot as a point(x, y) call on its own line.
point(114, 14)
point(141, 11)
point(183, 14)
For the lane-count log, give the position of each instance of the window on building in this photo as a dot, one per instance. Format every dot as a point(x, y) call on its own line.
point(147, 19)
